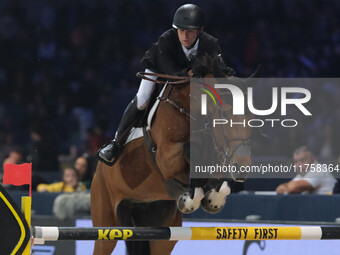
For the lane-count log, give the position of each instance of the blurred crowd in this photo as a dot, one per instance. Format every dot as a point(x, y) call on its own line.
point(67, 68)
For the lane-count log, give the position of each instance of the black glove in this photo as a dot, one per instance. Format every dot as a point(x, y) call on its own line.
point(226, 69)
point(230, 71)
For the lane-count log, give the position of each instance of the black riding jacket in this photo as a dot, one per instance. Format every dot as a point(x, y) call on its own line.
point(166, 56)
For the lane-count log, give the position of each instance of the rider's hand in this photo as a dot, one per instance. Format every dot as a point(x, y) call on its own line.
point(230, 71)
point(282, 189)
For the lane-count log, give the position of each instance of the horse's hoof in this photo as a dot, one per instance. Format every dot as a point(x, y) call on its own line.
point(181, 203)
point(239, 177)
point(209, 206)
point(187, 205)
point(213, 201)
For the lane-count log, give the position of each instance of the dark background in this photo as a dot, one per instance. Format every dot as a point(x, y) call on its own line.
point(67, 68)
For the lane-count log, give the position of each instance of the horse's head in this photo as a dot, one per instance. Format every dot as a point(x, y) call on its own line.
point(230, 133)
point(208, 66)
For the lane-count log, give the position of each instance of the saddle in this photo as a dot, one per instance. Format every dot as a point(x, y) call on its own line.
point(144, 128)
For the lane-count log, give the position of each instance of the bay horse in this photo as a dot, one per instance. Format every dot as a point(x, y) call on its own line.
point(135, 190)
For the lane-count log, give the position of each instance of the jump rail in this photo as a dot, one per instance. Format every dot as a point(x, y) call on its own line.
point(186, 233)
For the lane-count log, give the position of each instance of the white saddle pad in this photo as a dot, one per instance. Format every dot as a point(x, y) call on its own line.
point(136, 133)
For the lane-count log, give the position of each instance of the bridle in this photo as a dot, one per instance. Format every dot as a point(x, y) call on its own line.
point(227, 154)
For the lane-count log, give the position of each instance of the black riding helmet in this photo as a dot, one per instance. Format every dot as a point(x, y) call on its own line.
point(188, 17)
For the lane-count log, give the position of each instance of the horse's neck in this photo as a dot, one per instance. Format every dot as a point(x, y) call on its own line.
point(168, 113)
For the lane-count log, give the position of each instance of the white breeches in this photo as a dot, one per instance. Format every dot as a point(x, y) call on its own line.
point(145, 90)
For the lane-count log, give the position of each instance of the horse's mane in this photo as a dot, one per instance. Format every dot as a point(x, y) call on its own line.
point(207, 64)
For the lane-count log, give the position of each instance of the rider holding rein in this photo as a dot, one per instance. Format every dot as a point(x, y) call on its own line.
point(173, 53)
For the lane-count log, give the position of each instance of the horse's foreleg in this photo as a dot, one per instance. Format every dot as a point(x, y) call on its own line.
point(165, 247)
point(102, 213)
point(190, 201)
point(215, 196)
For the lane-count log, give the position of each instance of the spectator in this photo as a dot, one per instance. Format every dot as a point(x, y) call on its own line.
point(336, 189)
point(70, 183)
point(309, 180)
point(84, 167)
point(15, 157)
point(44, 150)
point(68, 159)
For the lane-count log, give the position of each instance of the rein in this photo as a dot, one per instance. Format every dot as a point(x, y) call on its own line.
point(180, 79)
point(182, 110)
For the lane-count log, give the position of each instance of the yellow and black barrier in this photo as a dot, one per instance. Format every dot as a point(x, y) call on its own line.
point(186, 233)
point(16, 235)
point(15, 227)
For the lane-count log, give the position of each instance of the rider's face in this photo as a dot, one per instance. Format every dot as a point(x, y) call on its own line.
point(187, 37)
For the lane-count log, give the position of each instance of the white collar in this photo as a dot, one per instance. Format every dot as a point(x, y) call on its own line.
point(191, 52)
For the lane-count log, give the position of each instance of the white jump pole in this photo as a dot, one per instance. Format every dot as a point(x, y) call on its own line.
point(186, 233)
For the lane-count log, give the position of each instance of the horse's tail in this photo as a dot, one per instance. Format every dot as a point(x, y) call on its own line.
point(153, 214)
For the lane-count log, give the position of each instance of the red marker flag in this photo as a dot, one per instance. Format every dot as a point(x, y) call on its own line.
point(18, 174)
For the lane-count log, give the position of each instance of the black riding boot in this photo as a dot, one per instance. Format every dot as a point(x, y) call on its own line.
point(109, 153)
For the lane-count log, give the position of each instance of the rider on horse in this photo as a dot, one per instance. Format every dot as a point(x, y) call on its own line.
point(173, 53)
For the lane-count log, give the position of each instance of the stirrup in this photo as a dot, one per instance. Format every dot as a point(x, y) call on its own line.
point(109, 163)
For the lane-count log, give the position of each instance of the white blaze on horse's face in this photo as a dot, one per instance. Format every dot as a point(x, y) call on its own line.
point(187, 37)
